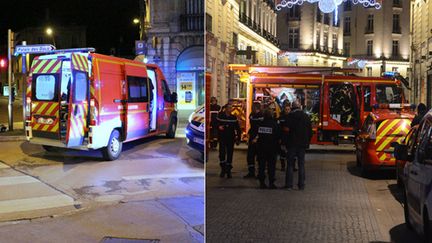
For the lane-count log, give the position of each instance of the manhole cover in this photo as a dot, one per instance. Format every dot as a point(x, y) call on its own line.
point(127, 240)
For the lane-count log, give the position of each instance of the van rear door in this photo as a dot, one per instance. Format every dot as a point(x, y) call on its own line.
point(45, 98)
point(78, 101)
point(137, 107)
point(388, 131)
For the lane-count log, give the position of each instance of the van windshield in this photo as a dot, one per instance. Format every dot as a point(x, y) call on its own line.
point(387, 94)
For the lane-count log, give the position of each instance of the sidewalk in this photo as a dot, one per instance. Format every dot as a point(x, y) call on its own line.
point(166, 219)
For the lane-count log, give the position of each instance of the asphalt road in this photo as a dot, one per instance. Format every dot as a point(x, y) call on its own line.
point(155, 190)
point(338, 205)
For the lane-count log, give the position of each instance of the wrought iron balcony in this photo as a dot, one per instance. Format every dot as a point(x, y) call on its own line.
point(191, 22)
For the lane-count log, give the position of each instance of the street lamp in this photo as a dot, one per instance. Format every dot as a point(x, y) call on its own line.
point(136, 21)
point(49, 31)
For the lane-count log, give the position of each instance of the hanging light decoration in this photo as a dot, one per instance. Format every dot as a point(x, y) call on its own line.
point(327, 6)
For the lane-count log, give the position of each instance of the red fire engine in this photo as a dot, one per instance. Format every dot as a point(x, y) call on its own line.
point(337, 101)
point(83, 100)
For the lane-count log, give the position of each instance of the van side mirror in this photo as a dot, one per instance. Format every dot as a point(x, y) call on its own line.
point(401, 152)
point(173, 97)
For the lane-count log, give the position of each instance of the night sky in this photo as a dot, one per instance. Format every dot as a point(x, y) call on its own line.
point(107, 21)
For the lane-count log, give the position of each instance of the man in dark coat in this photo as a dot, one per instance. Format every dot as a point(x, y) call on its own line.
point(255, 119)
point(299, 136)
point(268, 141)
point(421, 112)
point(229, 133)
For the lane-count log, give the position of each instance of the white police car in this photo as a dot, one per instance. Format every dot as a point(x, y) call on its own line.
point(418, 179)
point(195, 129)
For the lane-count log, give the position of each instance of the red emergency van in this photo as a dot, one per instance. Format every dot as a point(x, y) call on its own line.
point(83, 100)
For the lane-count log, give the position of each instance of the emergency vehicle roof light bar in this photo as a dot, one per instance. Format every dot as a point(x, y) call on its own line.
point(83, 50)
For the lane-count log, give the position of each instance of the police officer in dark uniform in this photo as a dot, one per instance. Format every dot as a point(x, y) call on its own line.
point(267, 139)
point(255, 118)
point(286, 108)
point(229, 133)
point(214, 110)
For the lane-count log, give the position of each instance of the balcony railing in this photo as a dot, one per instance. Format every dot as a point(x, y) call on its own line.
point(309, 48)
point(369, 30)
point(191, 22)
point(397, 30)
point(246, 20)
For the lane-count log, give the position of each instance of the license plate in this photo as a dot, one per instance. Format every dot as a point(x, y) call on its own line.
point(199, 140)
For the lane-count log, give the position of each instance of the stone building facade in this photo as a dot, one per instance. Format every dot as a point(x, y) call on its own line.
point(175, 41)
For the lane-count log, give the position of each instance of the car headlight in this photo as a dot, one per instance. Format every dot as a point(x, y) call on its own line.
point(190, 117)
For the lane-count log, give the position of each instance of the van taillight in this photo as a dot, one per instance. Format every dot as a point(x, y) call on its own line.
point(27, 108)
point(92, 112)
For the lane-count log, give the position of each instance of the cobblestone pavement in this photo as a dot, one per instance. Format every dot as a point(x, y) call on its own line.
point(337, 205)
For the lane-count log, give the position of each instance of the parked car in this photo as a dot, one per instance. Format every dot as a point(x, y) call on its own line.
point(195, 129)
point(374, 139)
point(409, 141)
point(418, 180)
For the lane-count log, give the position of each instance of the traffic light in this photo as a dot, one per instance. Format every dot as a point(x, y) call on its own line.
point(3, 63)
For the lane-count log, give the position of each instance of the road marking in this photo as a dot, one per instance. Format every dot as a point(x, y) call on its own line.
point(14, 180)
point(36, 203)
point(3, 166)
point(158, 176)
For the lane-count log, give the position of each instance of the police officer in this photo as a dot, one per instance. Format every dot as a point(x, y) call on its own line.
point(214, 110)
point(229, 133)
point(267, 139)
point(284, 132)
point(255, 118)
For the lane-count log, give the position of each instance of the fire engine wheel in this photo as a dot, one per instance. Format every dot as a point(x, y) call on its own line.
point(114, 148)
point(172, 128)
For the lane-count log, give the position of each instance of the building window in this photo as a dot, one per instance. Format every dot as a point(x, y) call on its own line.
point(319, 16)
point(209, 23)
point(395, 48)
point(337, 23)
point(397, 3)
point(347, 25)
point(395, 69)
point(327, 19)
point(369, 47)
point(396, 25)
point(347, 48)
point(318, 40)
point(369, 71)
point(294, 13)
point(347, 6)
point(334, 43)
point(293, 38)
point(325, 44)
point(370, 24)
point(235, 40)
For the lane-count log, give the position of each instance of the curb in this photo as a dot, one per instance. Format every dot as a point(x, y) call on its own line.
point(12, 138)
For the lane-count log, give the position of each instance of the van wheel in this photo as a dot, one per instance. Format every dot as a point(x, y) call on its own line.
point(427, 226)
point(114, 148)
point(49, 148)
point(406, 212)
point(172, 128)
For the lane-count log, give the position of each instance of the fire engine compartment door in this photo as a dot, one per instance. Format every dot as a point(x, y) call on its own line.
point(153, 100)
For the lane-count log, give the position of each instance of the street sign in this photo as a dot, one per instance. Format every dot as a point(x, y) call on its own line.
point(33, 49)
point(140, 48)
